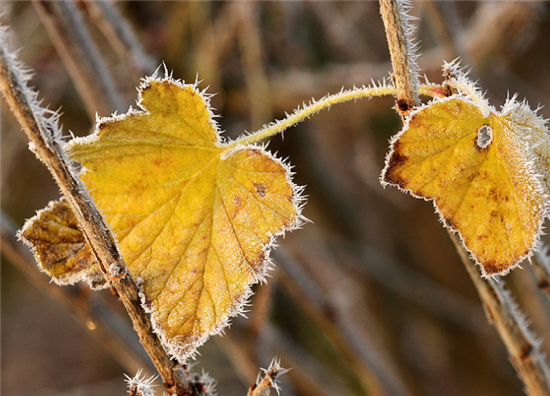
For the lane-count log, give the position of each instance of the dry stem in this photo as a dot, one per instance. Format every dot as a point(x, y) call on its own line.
point(524, 351)
point(23, 103)
point(268, 381)
point(404, 69)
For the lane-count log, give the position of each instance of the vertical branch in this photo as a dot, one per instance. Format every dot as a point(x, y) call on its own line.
point(73, 43)
point(523, 349)
point(405, 74)
point(43, 132)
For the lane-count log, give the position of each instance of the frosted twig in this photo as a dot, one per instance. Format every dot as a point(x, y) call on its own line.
point(139, 385)
point(42, 129)
point(110, 331)
point(269, 380)
point(405, 75)
point(314, 107)
point(523, 349)
point(80, 56)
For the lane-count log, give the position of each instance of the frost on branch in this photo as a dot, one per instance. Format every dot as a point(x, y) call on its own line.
point(269, 379)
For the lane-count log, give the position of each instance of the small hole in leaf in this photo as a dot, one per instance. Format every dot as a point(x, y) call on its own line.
point(484, 137)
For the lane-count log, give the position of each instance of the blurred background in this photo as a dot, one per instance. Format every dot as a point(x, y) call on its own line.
point(370, 297)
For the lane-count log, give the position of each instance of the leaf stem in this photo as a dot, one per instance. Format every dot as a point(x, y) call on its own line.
point(326, 102)
point(307, 111)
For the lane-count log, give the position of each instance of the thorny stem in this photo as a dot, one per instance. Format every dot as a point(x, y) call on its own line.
point(307, 111)
point(522, 348)
point(46, 146)
point(404, 69)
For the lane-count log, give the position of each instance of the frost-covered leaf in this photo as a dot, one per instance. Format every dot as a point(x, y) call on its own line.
point(59, 246)
point(487, 172)
point(194, 217)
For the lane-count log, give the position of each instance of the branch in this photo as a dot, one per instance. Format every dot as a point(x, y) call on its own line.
point(40, 126)
point(523, 349)
point(401, 50)
point(268, 381)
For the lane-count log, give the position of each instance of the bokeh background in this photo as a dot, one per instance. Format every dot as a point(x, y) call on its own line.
point(371, 293)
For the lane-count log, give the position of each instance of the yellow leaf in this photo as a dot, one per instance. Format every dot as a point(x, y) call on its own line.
point(194, 218)
point(59, 246)
point(487, 173)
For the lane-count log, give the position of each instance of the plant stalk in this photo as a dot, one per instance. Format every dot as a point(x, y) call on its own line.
point(23, 103)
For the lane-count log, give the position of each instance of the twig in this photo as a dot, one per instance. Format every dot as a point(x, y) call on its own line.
point(120, 35)
point(523, 349)
point(139, 385)
point(40, 126)
point(80, 56)
point(404, 68)
point(87, 309)
point(269, 380)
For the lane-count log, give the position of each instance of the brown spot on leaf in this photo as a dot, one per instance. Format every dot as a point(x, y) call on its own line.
point(260, 189)
point(492, 267)
point(449, 223)
point(396, 160)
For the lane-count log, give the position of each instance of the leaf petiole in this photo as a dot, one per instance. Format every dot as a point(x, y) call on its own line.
point(316, 106)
